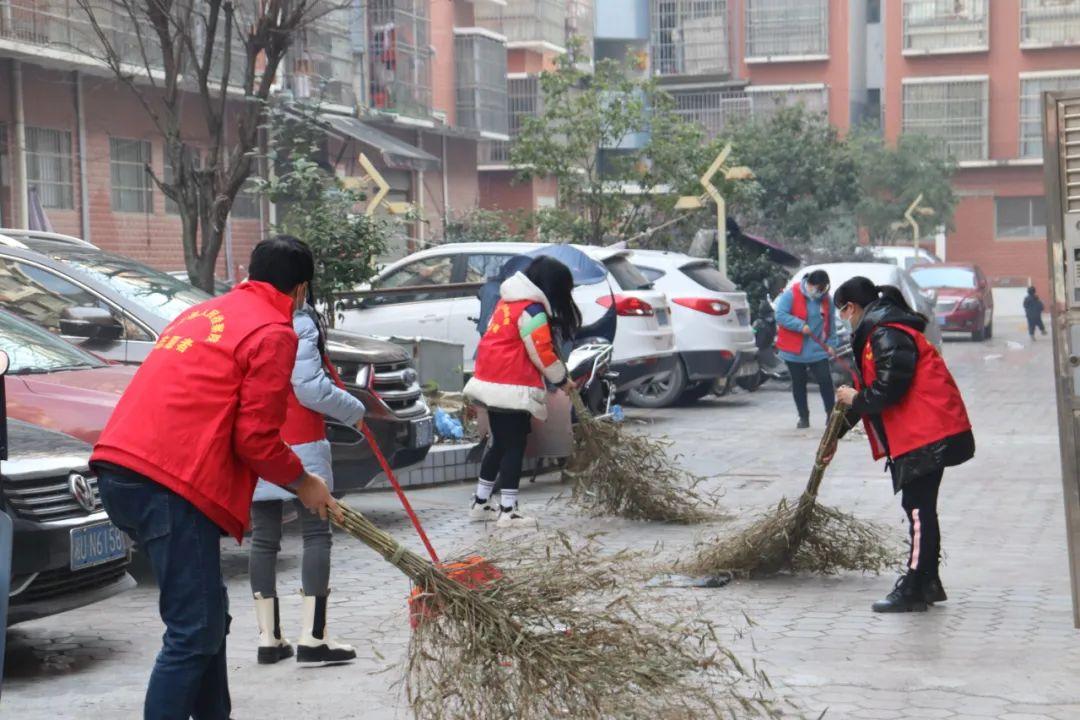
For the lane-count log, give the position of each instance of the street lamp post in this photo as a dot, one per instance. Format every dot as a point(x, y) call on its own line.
point(692, 202)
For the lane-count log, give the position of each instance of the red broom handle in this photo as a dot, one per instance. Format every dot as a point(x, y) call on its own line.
point(386, 468)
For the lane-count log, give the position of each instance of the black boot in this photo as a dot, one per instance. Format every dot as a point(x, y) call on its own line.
point(906, 596)
point(933, 592)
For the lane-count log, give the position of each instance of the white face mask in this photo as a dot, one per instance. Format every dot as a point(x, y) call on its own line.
point(813, 293)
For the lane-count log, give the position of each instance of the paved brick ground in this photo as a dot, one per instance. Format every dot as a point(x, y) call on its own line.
point(1002, 647)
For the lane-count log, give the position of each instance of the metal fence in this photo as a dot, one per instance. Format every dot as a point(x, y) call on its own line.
point(1049, 22)
point(946, 25)
point(713, 110)
point(952, 112)
point(690, 37)
point(524, 100)
point(526, 21)
point(786, 28)
point(480, 65)
point(1031, 109)
point(400, 54)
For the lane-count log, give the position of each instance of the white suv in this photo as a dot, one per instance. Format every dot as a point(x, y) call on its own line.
point(713, 338)
point(438, 308)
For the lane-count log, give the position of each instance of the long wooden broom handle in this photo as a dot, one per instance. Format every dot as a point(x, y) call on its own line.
point(827, 445)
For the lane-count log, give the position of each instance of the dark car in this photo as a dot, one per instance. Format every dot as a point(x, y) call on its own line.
point(964, 300)
point(66, 553)
point(116, 307)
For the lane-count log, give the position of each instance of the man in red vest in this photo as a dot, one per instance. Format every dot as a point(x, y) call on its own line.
point(914, 416)
point(178, 461)
point(805, 324)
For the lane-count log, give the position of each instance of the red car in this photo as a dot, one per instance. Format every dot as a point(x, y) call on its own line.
point(964, 301)
point(54, 384)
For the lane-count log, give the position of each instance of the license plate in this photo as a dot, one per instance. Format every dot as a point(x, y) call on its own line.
point(97, 544)
point(661, 317)
point(423, 432)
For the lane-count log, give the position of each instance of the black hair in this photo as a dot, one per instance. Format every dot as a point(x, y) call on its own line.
point(320, 321)
point(862, 292)
point(283, 261)
point(1031, 290)
point(818, 278)
point(557, 283)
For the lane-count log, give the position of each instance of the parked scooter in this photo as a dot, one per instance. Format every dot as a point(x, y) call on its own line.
point(589, 368)
point(769, 362)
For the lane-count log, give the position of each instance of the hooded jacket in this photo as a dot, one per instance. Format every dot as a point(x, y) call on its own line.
point(516, 353)
point(913, 410)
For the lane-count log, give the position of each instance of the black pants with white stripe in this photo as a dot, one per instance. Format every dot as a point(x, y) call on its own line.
point(919, 499)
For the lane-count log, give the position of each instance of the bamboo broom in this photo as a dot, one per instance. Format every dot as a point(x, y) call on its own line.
point(805, 536)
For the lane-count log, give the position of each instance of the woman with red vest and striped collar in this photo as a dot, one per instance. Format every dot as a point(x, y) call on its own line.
point(514, 359)
point(914, 416)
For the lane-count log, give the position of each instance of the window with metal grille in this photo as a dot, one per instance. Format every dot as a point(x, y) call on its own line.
point(1031, 90)
point(246, 205)
point(690, 37)
point(131, 184)
point(712, 109)
point(786, 28)
point(325, 56)
point(952, 112)
point(400, 56)
point(526, 22)
point(480, 65)
point(1049, 23)
point(946, 26)
point(581, 24)
point(48, 166)
point(523, 100)
point(1020, 217)
point(766, 100)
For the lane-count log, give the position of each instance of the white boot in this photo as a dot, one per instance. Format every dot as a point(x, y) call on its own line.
point(272, 646)
point(315, 646)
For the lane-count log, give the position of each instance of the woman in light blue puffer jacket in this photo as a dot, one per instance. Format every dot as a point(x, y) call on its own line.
point(316, 394)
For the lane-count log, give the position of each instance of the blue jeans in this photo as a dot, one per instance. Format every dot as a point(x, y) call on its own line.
point(183, 545)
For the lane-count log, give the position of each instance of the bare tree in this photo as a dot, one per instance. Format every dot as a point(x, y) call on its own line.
point(223, 55)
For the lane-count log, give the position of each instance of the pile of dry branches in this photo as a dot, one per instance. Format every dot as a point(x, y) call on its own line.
point(806, 536)
point(557, 636)
point(617, 472)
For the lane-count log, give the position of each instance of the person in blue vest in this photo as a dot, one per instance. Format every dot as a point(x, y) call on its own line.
point(806, 326)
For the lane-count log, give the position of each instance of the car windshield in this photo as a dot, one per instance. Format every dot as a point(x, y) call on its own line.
point(708, 277)
point(944, 277)
point(153, 291)
point(33, 350)
point(626, 275)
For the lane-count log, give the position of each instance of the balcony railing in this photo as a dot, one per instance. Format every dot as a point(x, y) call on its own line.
point(526, 22)
point(954, 112)
point(713, 109)
point(786, 29)
point(325, 57)
point(946, 26)
point(480, 65)
point(524, 100)
point(400, 51)
point(1049, 23)
point(690, 37)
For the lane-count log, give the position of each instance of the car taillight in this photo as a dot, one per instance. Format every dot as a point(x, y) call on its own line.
point(708, 306)
point(627, 306)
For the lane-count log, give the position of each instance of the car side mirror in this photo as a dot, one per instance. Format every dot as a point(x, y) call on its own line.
point(92, 323)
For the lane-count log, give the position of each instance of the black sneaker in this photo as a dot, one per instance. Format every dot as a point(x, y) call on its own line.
point(803, 424)
point(933, 592)
point(906, 596)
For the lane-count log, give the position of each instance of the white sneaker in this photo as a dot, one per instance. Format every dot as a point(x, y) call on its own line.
point(514, 519)
point(482, 511)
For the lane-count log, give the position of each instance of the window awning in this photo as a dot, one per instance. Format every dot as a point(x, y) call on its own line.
point(396, 154)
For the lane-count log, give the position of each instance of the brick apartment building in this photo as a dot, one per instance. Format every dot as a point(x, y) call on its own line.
point(415, 84)
point(967, 72)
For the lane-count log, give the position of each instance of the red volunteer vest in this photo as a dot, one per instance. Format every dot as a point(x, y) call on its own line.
point(791, 341)
point(931, 410)
point(157, 431)
point(501, 356)
point(302, 424)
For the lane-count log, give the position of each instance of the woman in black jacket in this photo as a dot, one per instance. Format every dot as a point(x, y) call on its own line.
point(914, 416)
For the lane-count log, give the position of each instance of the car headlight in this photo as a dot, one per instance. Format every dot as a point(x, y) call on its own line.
point(971, 303)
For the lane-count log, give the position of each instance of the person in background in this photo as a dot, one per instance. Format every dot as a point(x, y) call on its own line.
point(515, 356)
point(1033, 308)
point(914, 416)
point(178, 460)
point(806, 327)
point(316, 393)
